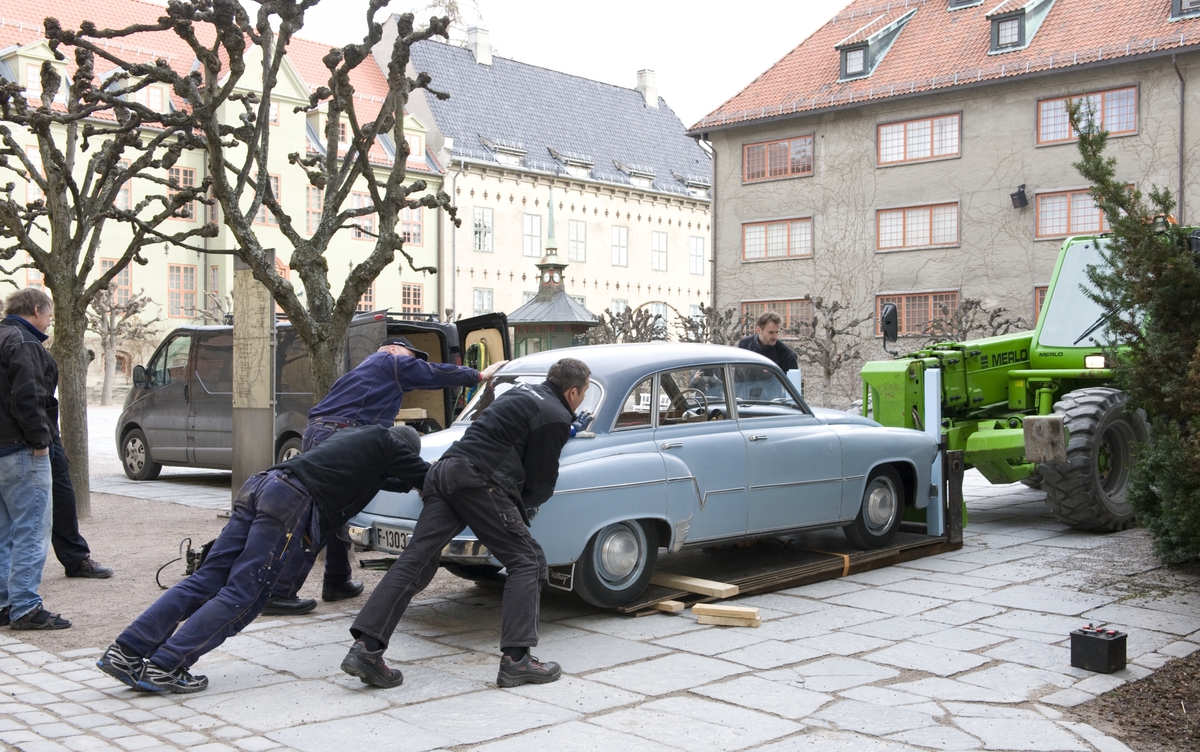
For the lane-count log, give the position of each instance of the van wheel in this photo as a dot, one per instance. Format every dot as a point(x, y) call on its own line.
point(136, 459)
point(288, 450)
point(617, 564)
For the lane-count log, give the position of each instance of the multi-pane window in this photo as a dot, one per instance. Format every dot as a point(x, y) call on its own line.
point(695, 312)
point(181, 290)
point(482, 298)
point(658, 312)
point(121, 285)
point(1039, 299)
point(33, 275)
point(776, 240)
point(367, 301)
point(531, 234)
point(916, 227)
point(1008, 32)
point(412, 226)
point(124, 199)
point(273, 113)
point(917, 140)
point(794, 313)
point(150, 97)
point(916, 311)
point(414, 145)
point(696, 255)
point(33, 191)
point(483, 230)
point(580, 299)
point(620, 246)
point(1068, 213)
point(856, 61)
point(33, 81)
point(619, 306)
point(265, 216)
point(658, 251)
point(364, 226)
point(184, 177)
point(214, 284)
point(577, 241)
point(777, 159)
point(314, 197)
point(412, 297)
point(1116, 110)
point(285, 271)
point(527, 296)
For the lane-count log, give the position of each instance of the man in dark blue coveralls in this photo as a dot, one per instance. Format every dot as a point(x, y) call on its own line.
point(278, 519)
point(370, 394)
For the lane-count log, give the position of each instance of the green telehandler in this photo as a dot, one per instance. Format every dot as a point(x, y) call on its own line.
point(1039, 407)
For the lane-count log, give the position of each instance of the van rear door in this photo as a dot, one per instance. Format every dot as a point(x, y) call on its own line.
point(488, 334)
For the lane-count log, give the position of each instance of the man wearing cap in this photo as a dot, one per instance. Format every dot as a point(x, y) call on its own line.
point(278, 520)
point(370, 394)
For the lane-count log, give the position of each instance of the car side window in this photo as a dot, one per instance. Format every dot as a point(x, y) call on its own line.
point(171, 362)
point(636, 412)
point(214, 363)
point(761, 393)
point(692, 395)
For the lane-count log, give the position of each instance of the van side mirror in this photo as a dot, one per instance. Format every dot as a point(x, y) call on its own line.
point(139, 377)
point(889, 322)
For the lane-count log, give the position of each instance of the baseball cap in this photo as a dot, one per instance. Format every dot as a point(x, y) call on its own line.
point(403, 342)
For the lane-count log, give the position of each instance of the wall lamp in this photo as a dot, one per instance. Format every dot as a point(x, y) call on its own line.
point(1019, 200)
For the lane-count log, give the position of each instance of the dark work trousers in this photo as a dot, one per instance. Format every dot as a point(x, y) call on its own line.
point(456, 496)
point(337, 551)
point(70, 548)
point(268, 540)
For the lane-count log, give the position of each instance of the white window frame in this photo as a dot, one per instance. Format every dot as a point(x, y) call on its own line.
point(577, 241)
point(696, 255)
point(482, 225)
point(482, 300)
point(531, 241)
point(620, 246)
point(658, 251)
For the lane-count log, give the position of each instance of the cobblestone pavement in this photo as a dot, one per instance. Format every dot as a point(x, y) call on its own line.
point(966, 650)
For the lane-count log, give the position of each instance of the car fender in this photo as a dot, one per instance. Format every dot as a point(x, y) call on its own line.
point(865, 448)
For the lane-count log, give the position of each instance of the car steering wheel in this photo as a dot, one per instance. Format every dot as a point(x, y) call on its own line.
point(690, 408)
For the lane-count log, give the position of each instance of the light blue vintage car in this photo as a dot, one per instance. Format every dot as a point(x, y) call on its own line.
point(691, 445)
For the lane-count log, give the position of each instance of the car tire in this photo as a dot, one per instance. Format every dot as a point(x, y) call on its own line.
point(881, 511)
point(136, 459)
point(617, 564)
point(288, 450)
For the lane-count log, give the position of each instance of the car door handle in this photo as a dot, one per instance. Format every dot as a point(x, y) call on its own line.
point(670, 444)
point(758, 437)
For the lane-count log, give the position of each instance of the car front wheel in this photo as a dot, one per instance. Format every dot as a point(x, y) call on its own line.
point(136, 459)
point(881, 511)
point(617, 564)
point(288, 450)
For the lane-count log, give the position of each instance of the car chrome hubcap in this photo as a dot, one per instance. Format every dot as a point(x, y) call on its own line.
point(290, 453)
point(620, 554)
point(135, 455)
point(879, 506)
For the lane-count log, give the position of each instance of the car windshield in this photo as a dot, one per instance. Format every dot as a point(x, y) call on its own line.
point(1071, 318)
point(484, 396)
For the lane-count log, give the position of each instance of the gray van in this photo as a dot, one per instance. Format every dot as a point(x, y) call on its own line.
point(180, 409)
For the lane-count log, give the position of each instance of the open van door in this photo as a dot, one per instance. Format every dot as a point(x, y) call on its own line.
point(483, 340)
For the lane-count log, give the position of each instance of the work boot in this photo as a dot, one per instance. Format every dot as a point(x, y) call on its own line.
point(342, 591)
point(528, 670)
point(91, 569)
point(369, 667)
point(180, 681)
point(39, 618)
point(280, 606)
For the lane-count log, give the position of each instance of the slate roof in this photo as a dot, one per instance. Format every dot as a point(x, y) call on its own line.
point(521, 106)
point(561, 309)
point(939, 48)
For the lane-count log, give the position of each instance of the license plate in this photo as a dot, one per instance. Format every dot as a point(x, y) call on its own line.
point(391, 539)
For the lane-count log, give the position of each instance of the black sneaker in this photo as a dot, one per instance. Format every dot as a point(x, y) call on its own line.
point(91, 569)
point(528, 670)
point(342, 591)
point(39, 618)
point(125, 667)
point(277, 606)
point(179, 681)
point(369, 667)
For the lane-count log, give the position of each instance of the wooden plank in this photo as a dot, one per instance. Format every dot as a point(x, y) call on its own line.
point(716, 609)
point(671, 607)
point(412, 413)
point(694, 585)
point(729, 621)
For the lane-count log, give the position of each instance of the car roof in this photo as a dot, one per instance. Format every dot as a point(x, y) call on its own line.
point(623, 363)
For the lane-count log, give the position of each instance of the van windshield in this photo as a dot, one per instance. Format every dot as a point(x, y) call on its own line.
point(501, 384)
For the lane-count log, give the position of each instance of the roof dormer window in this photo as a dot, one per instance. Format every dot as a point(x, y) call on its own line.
point(577, 165)
point(506, 154)
point(1015, 22)
point(862, 51)
point(854, 62)
point(1184, 8)
point(639, 177)
point(1008, 32)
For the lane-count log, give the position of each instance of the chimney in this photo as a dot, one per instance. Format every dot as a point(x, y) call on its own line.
point(479, 43)
point(647, 87)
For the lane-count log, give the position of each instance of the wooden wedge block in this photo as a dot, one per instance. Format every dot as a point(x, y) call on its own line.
point(412, 413)
point(733, 612)
point(671, 607)
point(729, 621)
point(694, 585)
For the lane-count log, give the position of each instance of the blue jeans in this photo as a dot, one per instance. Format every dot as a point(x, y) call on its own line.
point(270, 538)
point(25, 483)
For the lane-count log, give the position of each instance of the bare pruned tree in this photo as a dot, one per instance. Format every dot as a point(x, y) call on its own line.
point(118, 324)
point(629, 325)
point(712, 325)
point(75, 147)
point(228, 96)
point(971, 320)
point(830, 340)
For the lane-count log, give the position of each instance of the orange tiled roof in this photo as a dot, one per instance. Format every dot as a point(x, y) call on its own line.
point(882, 19)
point(939, 49)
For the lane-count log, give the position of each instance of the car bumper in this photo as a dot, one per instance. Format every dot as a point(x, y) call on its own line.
point(372, 535)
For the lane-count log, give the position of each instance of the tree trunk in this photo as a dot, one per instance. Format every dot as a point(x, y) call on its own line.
point(71, 356)
point(110, 368)
point(326, 363)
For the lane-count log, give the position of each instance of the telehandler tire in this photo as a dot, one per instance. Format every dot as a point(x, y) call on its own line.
point(1088, 491)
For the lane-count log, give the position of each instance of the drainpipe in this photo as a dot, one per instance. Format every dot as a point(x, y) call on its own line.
point(712, 213)
point(462, 166)
point(1182, 93)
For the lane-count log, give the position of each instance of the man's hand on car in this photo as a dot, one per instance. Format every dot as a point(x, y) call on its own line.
point(490, 371)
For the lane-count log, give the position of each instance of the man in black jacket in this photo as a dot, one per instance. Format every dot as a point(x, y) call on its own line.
point(28, 428)
point(504, 466)
point(765, 341)
point(278, 520)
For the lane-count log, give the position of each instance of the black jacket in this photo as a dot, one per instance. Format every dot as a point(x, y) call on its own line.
point(28, 378)
point(516, 441)
point(781, 354)
point(344, 472)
